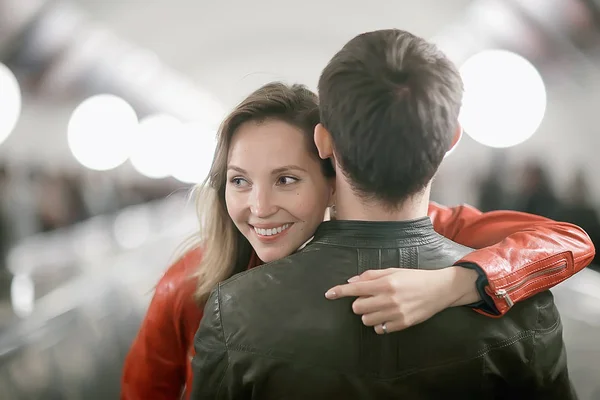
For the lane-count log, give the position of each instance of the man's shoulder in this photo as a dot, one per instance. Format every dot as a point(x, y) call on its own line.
point(303, 272)
point(280, 269)
point(442, 253)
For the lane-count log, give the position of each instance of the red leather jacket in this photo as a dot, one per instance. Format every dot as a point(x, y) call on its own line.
point(526, 254)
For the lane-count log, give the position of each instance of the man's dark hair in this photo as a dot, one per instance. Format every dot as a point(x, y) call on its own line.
point(390, 101)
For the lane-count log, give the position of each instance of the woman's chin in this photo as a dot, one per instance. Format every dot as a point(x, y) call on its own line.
point(273, 253)
point(268, 256)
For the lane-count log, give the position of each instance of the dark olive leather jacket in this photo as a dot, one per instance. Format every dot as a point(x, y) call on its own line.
point(269, 333)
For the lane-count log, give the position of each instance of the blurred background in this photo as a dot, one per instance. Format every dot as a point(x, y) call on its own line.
point(108, 111)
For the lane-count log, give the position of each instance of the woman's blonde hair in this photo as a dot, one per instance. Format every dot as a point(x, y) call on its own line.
point(225, 251)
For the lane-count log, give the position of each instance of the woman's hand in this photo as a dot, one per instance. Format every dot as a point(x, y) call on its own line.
point(400, 298)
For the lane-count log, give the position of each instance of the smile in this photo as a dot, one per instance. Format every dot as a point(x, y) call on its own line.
point(271, 231)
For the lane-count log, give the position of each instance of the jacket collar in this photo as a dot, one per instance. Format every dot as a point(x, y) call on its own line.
point(377, 234)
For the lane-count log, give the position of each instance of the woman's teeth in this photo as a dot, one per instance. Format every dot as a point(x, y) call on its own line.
point(271, 231)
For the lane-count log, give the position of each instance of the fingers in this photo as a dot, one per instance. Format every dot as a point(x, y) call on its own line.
point(394, 325)
point(366, 284)
point(356, 289)
point(372, 274)
point(366, 305)
point(378, 318)
point(393, 320)
point(399, 298)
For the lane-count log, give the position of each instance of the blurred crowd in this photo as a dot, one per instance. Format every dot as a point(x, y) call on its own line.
point(37, 200)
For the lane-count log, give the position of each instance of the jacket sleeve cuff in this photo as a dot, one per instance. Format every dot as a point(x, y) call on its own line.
point(486, 304)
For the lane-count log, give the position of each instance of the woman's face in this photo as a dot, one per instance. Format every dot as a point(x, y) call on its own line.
point(276, 192)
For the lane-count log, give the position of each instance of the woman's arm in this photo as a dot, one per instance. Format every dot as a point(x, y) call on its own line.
point(521, 254)
point(155, 367)
point(525, 255)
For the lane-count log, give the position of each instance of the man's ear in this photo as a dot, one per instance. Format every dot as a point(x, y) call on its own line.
point(323, 142)
point(456, 139)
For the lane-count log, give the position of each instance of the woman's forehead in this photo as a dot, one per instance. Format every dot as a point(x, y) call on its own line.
point(270, 141)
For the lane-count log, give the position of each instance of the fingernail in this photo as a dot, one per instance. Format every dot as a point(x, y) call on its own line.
point(331, 294)
point(353, 279)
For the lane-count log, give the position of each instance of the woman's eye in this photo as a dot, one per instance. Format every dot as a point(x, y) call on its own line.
point(286, 180)
point(238, 182)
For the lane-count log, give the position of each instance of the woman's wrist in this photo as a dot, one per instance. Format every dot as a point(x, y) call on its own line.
point(462, 286)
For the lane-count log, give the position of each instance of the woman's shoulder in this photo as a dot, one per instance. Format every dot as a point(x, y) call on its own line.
point(178, 284)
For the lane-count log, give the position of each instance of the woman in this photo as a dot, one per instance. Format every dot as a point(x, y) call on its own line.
point(158, 365)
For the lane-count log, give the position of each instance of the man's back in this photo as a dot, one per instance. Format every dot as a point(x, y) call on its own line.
point(270, 333)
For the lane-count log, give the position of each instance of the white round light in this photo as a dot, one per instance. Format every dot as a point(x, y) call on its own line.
point(504, 100)
point(153, 151)
point(10, 102)
point(132, 227)
point(196, 149)
point(100, 132)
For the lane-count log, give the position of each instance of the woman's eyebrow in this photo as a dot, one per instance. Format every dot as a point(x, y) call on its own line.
point(288, 168)
point(238, 169)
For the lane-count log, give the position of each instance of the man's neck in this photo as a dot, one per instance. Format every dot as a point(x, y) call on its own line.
point(350, 206)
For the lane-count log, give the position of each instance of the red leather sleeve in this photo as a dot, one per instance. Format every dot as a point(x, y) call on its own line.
point(521, 254)
point(155, 367)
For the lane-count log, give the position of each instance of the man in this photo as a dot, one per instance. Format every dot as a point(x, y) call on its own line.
point(389, 109)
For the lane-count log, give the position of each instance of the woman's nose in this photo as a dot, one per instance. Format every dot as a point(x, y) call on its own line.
point(262, 204)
